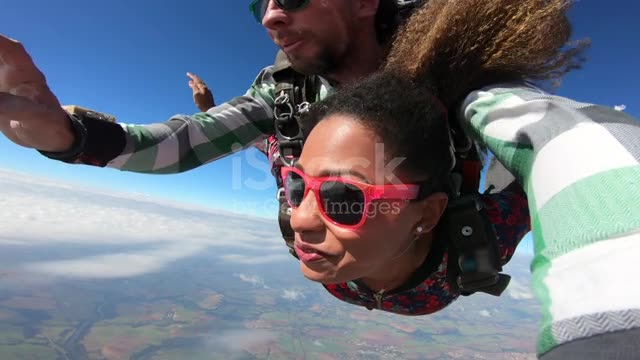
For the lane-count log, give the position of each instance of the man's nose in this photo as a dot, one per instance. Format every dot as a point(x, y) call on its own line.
point(275, 17)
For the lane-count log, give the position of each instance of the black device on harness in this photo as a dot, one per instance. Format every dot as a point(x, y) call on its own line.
point(473, 248)
point(472, 243)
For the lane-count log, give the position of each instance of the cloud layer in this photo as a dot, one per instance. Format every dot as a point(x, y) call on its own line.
point(519, 291)
point(36, 213)
point(292, 295)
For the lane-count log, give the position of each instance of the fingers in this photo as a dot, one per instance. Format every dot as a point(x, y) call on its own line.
point(196, 84)
point(20, 76)
point(16, 66)
point(12, 53)
point(194, 77)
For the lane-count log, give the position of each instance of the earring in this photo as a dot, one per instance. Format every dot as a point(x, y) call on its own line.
point(419, 229)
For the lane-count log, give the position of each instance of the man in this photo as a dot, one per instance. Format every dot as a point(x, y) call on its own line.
point(342, 41)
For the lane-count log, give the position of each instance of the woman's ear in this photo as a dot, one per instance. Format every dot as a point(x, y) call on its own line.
point(432, 209)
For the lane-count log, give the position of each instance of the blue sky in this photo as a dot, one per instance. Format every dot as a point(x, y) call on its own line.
point(129, 59)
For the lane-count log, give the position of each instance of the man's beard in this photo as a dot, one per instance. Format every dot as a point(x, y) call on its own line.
point(326, 63)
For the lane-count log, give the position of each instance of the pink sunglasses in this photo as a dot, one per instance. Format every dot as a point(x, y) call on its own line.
point(343, 202)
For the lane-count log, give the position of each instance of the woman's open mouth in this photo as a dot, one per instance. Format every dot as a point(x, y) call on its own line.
point(309, 254)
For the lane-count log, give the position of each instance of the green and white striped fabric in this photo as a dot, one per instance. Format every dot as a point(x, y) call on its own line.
point(579, 164)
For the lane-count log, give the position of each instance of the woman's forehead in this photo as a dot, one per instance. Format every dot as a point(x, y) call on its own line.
point(340, 139)
point(339, 142)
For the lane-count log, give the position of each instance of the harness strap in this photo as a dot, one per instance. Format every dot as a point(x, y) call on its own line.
point(292, 92)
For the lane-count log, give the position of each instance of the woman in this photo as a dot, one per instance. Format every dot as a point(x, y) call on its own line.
point(384, 249)
point(370, 233)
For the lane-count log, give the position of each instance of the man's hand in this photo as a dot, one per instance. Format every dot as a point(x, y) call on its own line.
point(30, 114)
point(202, 96)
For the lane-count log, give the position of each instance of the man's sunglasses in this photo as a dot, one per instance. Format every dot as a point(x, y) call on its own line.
point(341, 201)
point(259, 7)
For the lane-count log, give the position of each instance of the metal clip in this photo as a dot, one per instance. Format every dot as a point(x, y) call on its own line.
point(283, 108)
point(303, 107)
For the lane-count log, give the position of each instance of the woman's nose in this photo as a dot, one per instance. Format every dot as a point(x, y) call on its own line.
point(306, 217)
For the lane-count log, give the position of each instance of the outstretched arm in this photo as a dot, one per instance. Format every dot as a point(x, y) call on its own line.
point(579, 164)
point(31, 116)
point(186, 142)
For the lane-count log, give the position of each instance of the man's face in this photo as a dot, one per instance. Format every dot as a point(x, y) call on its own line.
point(317, 37)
